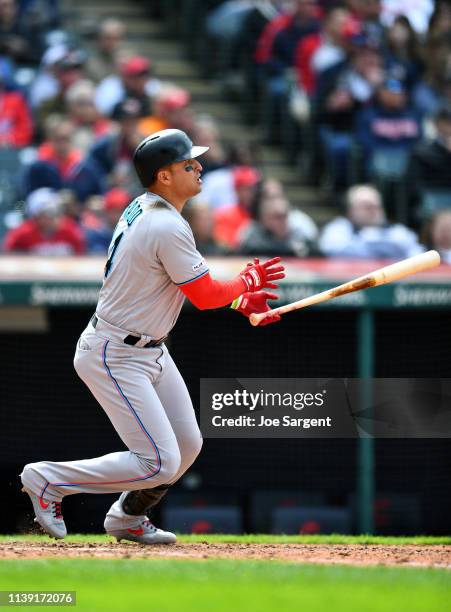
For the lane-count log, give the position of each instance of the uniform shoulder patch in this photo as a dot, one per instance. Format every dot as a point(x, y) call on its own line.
point(199, 265)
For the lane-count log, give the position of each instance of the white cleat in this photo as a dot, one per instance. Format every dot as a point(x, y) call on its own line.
point(141, 531)
point(48, 515)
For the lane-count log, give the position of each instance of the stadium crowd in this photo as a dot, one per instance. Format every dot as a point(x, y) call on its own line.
point(358, 90)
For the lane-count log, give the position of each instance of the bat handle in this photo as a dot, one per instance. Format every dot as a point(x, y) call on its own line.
point(256, 318)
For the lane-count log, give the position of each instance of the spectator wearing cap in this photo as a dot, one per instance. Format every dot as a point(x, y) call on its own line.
point(112, 154)
point(89, 125)
point(60, 163)
point(46, 231)
point(341, 92)
point(171, 109)
point(98, 239)
point(68, 70)
point(365, 232)
point(231, 220)
point(133, 81)
point(16, 127)
point(109, 45)
point(388, 125)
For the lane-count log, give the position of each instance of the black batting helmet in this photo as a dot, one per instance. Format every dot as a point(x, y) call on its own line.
point(161, 149)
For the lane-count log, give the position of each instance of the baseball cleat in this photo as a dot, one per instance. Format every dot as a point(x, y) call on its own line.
point(48, 515)
point(141, 531)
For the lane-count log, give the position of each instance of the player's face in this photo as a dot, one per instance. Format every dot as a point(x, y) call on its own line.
point(186, 180)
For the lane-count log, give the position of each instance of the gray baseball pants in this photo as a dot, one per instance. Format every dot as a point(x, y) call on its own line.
point(146, 400)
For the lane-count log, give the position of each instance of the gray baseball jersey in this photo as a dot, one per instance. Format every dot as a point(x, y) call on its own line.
point(152, 253)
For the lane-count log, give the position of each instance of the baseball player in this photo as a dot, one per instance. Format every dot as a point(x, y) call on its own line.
point(152, 265)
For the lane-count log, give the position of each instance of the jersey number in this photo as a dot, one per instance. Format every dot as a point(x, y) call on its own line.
point(132, 211)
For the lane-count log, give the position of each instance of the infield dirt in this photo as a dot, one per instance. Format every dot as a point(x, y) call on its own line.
point(349, 554)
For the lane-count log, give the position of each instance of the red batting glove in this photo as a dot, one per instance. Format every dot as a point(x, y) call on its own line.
point(258, 276)
point(248, 303)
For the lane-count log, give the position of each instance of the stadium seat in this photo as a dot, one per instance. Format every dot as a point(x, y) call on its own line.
point(263, 504)
point(317, 519)
point(212, 519)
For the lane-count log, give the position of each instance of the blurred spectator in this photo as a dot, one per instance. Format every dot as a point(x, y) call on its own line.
point(233, 219)
point(434, 88)
point(47, 231)
point(200, 217)
point(134, 81)
point(105, 56)
point(437, 234)
point(60, 165)
point(16, 128)
point(320, 51)
point(402, 60)
point(294, 27)
point(341, 92)
point(45, 84)
point(430, 163)
point(206, 130)
point(389, 124)
point(41, 13)
point(368, 15)
point(89, 125)
point(431, 160)
point(270, 233)
point(20, 38)
point(98, 239)
point(440, 21)
point(112, 155)
point(68, 70)
point(280, 56)
point(218, 185)
point(170, 110)
point(365, 233)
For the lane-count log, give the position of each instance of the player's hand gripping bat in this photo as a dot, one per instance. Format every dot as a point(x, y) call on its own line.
point(385, 275)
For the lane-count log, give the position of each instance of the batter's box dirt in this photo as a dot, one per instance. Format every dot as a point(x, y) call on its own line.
point(348, 554)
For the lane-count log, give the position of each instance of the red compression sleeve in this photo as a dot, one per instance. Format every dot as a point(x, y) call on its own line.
point(205, 292)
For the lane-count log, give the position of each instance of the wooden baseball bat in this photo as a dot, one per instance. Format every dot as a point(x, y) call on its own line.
point(388, 274)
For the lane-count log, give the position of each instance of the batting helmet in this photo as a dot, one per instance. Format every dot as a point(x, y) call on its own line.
point(161, 149)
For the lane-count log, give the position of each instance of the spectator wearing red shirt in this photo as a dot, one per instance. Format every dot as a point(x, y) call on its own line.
point(47, 231)
point(230, 221)
point(16, 127)
point(320, 51)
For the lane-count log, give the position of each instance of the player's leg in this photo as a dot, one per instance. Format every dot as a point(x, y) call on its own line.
point(121, 380)
point(173, 394)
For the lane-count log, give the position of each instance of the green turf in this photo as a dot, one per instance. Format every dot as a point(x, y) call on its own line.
point(257, 538)
point(227, 585)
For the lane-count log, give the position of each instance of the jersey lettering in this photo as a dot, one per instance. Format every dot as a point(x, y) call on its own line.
point(132, 211)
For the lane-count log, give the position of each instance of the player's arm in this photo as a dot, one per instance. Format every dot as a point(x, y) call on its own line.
point(206, 292)
point(186, 267)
